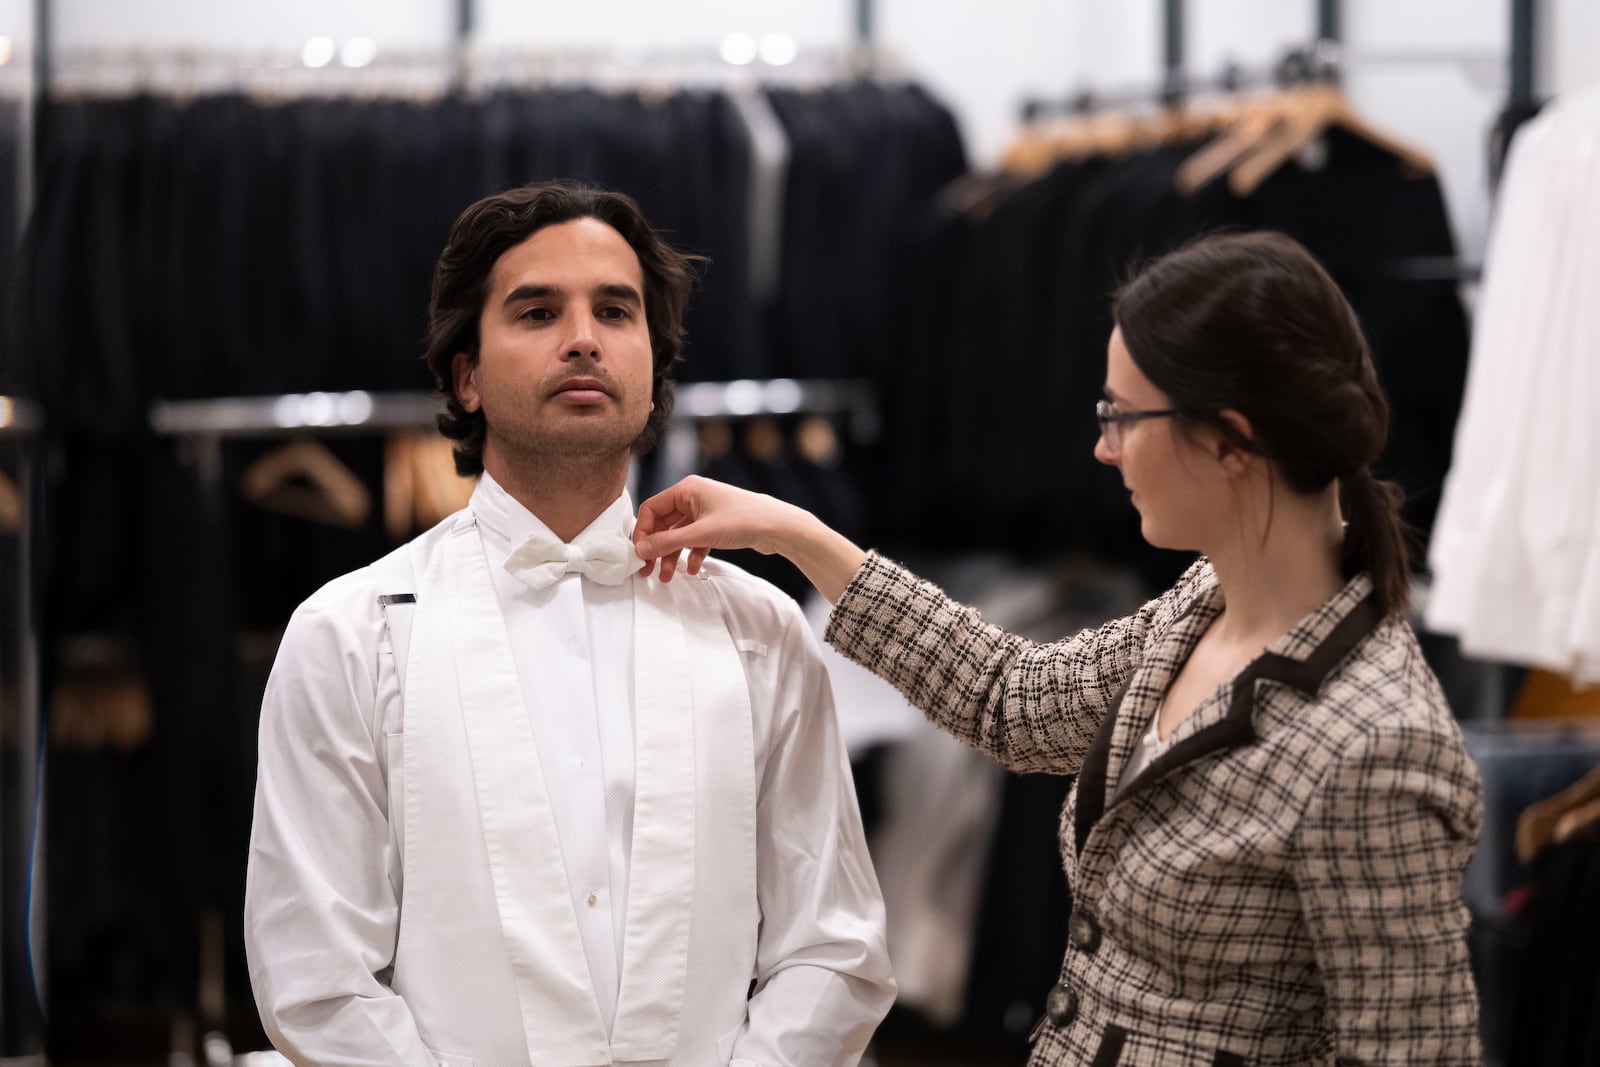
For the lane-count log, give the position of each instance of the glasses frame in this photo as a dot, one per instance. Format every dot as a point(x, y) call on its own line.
point(1106, 414)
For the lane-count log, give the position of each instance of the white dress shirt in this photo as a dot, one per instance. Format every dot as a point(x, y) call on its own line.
point(332, 715)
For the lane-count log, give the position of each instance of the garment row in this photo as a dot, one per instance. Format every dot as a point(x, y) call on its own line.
point(1008, 315)
point(1517, 556)
point(232, 246)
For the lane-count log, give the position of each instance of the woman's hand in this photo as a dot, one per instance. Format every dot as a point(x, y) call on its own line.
point(699, 514)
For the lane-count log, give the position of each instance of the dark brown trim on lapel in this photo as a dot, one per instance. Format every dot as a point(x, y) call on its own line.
point(1237, 728)
point(1092, 775)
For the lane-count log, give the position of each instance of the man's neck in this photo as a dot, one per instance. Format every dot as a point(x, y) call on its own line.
point(565, 496)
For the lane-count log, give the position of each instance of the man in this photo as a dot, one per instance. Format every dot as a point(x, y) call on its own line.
point(518, 803)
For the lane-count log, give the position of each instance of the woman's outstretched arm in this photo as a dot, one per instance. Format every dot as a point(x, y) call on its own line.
point(699, 514)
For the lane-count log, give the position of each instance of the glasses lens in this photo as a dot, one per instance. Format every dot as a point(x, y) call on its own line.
point(1108, 429)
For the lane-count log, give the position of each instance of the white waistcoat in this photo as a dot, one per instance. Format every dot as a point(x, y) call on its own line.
point(489, 956)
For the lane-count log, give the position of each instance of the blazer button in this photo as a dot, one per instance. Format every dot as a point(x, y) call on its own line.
point(1061, 1005)
point(1084, 931)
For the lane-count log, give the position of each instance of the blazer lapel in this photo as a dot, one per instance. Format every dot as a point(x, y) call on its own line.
point(1301, 659)
point(661, 885)
point(1129, 713)
point(561, 1018)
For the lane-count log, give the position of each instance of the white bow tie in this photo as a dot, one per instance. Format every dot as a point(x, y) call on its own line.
point(540, 560)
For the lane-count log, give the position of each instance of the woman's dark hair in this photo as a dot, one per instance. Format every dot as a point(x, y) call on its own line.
point(1252, 323)
point(492, 226)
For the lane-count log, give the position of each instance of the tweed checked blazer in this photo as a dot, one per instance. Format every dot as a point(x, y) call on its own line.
point(1282, 885)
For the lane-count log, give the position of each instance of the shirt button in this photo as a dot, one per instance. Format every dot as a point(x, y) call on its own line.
point(1061, 1005)
point(1084, 931)
point(592, 899)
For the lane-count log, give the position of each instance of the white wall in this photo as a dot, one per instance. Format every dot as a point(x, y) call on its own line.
point(1432, 71)
point(813, 23)
point(1569, 56)
point(78, 24)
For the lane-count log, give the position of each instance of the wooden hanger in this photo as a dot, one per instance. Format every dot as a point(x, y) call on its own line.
point(1244, 130)
point(12, 511)
point(303, 479)
point(399, 491)
point(1310, 112)
point(440, 491)
point(1569, 814)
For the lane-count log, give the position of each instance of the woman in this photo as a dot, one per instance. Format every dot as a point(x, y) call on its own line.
point(1274, 807)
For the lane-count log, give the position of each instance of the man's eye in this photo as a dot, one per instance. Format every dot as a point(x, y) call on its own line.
point(538, 314)
point(615, 314)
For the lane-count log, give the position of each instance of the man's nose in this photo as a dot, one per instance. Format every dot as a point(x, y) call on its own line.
point(585, 340)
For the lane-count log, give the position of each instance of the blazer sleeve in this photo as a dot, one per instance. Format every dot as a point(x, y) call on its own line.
point(1034, 707)
point(321, 912)
point(1378, 858)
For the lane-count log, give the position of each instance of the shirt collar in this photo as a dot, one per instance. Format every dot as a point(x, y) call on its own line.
point(503, 515)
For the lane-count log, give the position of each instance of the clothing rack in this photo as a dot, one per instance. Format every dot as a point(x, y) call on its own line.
point(284, 70)
point(1324, 58)
point(1316, 65)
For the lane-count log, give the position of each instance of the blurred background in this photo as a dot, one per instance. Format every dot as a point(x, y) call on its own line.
point(217, 228)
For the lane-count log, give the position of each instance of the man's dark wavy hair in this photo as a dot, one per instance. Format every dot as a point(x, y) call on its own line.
point(491, 227)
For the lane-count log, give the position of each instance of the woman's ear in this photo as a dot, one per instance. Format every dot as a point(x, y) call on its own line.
point(1235, 446)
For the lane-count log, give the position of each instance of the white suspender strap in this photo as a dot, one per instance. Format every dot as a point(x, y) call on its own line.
point(398, 599)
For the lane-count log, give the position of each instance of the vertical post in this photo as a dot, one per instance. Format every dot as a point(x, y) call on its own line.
point(41, 45)
point(1172, 57)
point(1524, 20)
point(31, 152)
point(1329, 20)
point(465, 17)
point(1173, 35)
point(864, 26)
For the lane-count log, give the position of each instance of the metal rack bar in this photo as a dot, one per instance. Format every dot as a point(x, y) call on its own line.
point(360, 412)
point(269, 416)
point(19, 416)
point(1524, 24)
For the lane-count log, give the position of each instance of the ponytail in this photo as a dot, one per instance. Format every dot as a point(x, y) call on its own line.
point(1378, 539)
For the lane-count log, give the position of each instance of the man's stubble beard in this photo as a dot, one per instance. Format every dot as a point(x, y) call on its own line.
point(571, 450)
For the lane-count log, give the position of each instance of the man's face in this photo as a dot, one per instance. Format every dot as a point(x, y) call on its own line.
point(564, 364)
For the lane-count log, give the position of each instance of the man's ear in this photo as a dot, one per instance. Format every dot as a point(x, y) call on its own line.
point(464, 375)
point(1232, 450)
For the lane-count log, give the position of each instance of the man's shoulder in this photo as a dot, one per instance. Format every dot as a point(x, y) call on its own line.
point(752, 605)
point(354, 596)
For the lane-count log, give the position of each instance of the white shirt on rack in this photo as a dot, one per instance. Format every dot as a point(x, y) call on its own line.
point(1516, 546)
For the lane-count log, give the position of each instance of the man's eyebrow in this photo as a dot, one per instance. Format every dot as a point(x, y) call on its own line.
point(619, 291)
point(613, 290)
point(530, 292)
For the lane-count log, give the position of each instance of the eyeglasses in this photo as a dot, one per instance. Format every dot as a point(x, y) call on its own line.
point(1111, 422)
